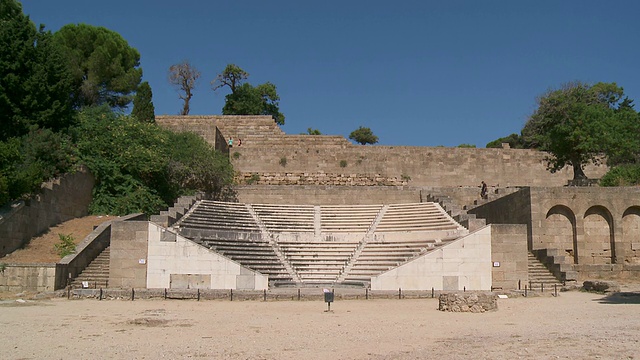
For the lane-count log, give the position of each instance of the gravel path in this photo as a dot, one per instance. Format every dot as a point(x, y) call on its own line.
point(574, 325)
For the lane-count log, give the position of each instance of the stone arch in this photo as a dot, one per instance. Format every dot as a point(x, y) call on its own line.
point(560, 232)
point(599, 240)
point(631, 234)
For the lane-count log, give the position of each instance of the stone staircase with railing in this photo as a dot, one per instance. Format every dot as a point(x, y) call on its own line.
point(96, 274)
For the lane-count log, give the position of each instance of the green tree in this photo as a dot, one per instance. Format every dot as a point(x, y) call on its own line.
point(246, 99)
point(104, 68)
point(577, 124)
point(143, 108)
point(184, 77)
point(363, 136)
point(34, 82)
point(232, 77)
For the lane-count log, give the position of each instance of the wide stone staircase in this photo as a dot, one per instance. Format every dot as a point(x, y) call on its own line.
point(96, 274)
point(318, 245)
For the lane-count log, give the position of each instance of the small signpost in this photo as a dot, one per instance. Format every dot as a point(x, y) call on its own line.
point(328, 298)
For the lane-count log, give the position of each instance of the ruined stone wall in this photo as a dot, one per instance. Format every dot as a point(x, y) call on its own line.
point(595, 229)
point(267, 153)
point(60, 200)
point(594, 226)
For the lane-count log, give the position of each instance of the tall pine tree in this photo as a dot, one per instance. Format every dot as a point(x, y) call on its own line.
point(34, 82)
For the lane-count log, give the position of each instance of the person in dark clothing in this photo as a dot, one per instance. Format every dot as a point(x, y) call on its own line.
point(483, 190)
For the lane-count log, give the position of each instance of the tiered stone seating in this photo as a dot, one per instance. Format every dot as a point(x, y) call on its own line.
point(318, 262)
point(378, 257)
point(286, 218)
point(257, 255)
point(348, 218)
point(416, 217)
point(217, 215)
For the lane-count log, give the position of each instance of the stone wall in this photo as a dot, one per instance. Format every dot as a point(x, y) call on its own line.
point(88, 249)
point(128, 255)
point(178, 263)
point(327, 195)
point(268, 152)
point(594, 230)
point(509, 255)
point(514, 208)
point(27, 277)
point(462, 264)
point(60, 200)
point(468, 302)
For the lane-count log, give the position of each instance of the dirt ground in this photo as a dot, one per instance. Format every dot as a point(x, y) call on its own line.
point(574, 325)
point(41, 248)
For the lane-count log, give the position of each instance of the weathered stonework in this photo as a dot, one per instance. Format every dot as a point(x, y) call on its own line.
point(468, 302)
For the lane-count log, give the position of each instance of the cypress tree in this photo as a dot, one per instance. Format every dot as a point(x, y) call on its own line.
point(143, 108)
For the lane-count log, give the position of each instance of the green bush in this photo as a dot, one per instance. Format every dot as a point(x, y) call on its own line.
point(623, 175)
point(343, 163)
point(140, 167)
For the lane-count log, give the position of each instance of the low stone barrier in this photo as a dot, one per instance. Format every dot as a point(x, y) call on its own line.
point(468, 302)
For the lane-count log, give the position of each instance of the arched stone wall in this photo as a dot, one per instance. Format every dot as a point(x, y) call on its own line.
point(631, 235)
point(598, 245)
point(559, 232)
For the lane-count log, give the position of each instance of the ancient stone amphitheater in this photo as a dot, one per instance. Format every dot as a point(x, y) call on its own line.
point(318, 211)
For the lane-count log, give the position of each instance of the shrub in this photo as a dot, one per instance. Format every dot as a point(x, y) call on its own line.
point(343, 163)
point(623, 175)
point(405, 177)
point(66, 246)
point(283, 161)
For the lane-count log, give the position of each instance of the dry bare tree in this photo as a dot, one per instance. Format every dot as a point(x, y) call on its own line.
point(184, 76)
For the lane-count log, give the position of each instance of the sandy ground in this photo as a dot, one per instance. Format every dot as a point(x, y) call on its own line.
point(41, 248)
point(574, 325)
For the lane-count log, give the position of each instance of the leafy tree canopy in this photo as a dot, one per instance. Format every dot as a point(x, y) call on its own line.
point(143, 108)
point(363, 136)
point(579, 123)
point(140, 167)
point(246, 99)
point(232, 77)
point(34, 82)
point(104, 68)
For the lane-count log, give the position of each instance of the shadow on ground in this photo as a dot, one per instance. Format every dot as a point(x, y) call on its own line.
point(625, 297)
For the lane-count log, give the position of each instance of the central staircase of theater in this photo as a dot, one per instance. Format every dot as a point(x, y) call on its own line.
point(96, 274)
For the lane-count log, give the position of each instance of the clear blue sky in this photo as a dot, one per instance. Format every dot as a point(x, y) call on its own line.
point(421, 73)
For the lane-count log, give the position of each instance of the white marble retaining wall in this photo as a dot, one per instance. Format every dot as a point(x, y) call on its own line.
point(462, 264)
point(170, 256)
